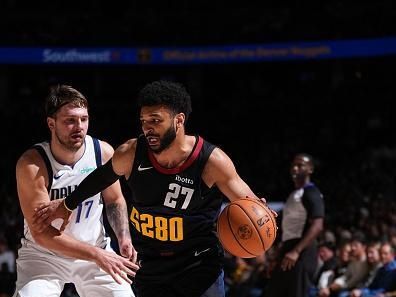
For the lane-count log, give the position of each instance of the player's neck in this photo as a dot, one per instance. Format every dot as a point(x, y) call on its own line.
point(298, 184)
point(177, 153)
point(65, 156)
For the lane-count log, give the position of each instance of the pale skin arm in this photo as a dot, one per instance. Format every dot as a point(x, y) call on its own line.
point(32, 178)
point(117, 212)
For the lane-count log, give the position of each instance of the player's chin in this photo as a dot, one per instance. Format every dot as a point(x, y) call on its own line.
point(155, 148)
point(77, 143)
point(154, 145)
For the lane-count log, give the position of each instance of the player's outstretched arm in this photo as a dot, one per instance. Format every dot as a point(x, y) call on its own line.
point(116, 210)
point(32, 177)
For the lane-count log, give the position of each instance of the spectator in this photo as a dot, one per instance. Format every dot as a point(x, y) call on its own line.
point(7, 268)
point(385, 278)
point(356, 271)
point(374, 263)
point(326, 271)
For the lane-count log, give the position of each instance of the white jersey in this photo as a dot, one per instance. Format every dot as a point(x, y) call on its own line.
point(86, 222)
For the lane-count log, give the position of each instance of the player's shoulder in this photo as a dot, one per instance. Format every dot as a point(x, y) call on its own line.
point(218, 156)
point(126, 151)
point(219, 162)
point(124, 156)
point(30, 157)
point(105, 146)
point(106, 149)
point(127, 146)
point(312, 190)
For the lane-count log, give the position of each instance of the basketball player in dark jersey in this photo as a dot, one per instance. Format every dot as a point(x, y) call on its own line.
point(173, 178)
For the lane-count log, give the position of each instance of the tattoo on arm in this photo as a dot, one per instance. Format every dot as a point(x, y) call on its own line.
point(117, 216)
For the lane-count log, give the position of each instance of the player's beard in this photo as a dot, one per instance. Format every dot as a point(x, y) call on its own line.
point(69, 145)
point(166, 140)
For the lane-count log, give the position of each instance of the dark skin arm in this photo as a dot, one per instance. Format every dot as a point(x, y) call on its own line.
point(312, 233)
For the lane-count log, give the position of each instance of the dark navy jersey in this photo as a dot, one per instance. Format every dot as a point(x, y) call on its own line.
point(173, 211)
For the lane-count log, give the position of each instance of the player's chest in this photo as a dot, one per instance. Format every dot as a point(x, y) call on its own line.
point(175, 191)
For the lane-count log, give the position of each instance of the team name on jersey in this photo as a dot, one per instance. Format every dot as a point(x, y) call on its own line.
point(62, 192)
point(184, 180)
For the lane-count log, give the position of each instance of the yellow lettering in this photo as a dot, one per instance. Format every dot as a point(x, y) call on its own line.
point(147, 224)
point(135, 219)
point(175, 229)
point(159, 228)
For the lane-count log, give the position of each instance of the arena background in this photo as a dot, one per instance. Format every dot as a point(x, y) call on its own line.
point(340, 109)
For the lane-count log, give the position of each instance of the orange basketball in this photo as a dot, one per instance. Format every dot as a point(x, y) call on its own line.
point(246, 228)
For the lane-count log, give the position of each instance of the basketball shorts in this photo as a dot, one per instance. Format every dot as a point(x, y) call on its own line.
point(42, 274)
point(196, 274)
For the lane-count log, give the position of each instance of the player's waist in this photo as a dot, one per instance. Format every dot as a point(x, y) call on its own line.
point(160, 267)
point(150, 248)
point(28, 244)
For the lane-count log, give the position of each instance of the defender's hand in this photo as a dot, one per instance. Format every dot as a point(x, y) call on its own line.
point(115, 265)
point(47, 212)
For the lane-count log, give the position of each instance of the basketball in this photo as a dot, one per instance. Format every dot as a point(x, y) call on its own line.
point(246, 228)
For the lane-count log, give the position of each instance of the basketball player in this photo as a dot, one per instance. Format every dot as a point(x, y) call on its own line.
point(302, 222)
point(173, 177)
point(82, 253)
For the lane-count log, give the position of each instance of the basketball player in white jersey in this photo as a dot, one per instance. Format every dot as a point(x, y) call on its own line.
point(80, 253)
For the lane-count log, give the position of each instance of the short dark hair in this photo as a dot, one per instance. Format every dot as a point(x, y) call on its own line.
point(170, 94)
point(328, 244)
point(61, 95)
point(359, 237)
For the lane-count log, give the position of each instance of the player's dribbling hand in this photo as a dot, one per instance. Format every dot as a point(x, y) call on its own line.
point(265, 203)
point(47, 212)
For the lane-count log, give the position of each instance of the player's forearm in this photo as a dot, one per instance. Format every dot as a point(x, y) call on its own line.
point(63, 244)
point(312, 233)
point(117, 215)
point(95, 182)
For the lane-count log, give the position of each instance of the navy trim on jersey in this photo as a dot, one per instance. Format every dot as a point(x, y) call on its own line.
point(47, 162)
point(98, 157)
point(98, 153)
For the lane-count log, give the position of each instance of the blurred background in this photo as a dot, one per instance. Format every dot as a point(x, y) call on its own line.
point(266, 82)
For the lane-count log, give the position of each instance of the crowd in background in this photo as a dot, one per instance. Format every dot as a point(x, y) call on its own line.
point(338, 111)
point(370, 213)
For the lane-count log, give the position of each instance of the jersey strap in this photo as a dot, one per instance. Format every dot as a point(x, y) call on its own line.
point(98, 153)
point(47, 162)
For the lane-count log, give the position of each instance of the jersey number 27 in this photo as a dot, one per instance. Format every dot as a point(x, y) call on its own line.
point(176, 192)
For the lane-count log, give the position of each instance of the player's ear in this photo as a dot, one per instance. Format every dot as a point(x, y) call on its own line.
point(180, 118)
point(311, 170)
point(50, 123)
